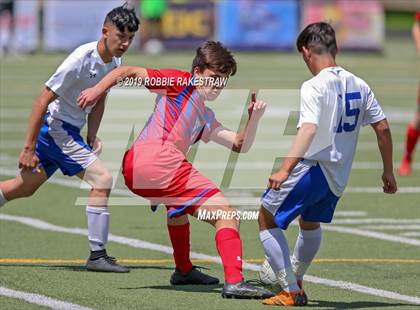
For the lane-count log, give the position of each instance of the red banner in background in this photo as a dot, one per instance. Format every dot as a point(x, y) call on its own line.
point(359, 24)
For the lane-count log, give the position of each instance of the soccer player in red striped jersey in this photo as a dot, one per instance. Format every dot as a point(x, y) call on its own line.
point(413, 129)
point(156, 166)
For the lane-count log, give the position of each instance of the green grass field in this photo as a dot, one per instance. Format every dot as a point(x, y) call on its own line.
point(374, 242)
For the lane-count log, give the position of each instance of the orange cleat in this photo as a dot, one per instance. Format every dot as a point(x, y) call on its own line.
point(405, 167)
point(296, 298)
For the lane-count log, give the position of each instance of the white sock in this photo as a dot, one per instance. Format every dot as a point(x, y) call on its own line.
point(306, 247)
point(278, 255)
point(98, 226)
point(3, 200)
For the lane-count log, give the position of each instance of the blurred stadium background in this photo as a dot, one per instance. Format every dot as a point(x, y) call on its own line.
point(375, 239)
point(61, 25)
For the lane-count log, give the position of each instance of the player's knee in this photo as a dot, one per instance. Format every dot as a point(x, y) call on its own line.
point(228, 216)
point(107, 179)
point(308, 225)
point(265, 219)
point(103, 180)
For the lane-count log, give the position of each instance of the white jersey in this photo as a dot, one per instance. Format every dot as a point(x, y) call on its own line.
point(338, 119)
point(82, 69)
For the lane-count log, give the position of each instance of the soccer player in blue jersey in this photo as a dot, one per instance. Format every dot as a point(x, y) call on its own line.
point(334, 105)
point(53, 139)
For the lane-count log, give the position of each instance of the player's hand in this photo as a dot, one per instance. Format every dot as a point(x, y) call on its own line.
point(256, 108)
point(390, 185)
point(88, 97)
point(28, 160)
point(277, 179)
point(97, 146)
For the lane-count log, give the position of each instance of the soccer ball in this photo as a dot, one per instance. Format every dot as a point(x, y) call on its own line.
point(268, 278)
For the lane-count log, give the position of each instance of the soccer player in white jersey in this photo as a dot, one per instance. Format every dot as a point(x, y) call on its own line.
point(334, 105)
point(53, 139)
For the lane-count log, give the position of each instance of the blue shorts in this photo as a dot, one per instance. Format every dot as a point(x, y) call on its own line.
point(306, 193)
point(60, 145)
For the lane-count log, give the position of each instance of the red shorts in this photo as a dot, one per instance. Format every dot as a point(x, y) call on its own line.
point(162, 174)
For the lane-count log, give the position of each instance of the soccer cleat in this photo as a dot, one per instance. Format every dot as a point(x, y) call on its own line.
point(296, 298)
point(194, 276)
point(105, 264)
point(244, 290)
point(300, 284)
point(405, 167)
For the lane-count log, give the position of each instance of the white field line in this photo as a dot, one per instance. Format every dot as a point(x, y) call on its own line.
point(350, 213)
point(391, 227)
point(377, 221)
point(371, 190)
point(39, 224)
point(411, 234)
point(371, 234)
point(363, 289)
point(40, 300)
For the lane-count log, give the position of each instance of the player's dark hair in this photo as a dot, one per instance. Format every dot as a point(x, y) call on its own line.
point(214, 56)
point(123, 17)
point(319, 37)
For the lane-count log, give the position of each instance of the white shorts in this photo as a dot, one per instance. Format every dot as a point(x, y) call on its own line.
point(60, 145)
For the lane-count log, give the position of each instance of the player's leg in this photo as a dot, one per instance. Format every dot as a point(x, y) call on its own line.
point(185, 273)
point(179, 234)
point(100, 179)
point(277, 253)
point(28, 181)
point(62, 144)
point(310, 234)
point(307, 245)
point(229, 246)
point(23, 185)
point(276, 250)
point(412, 136)
point(305, 186)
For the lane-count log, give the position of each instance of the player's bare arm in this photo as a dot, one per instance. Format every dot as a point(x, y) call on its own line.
point(302, 141)
point(241, 142)
point(28, 158)
point(383, 135)
point(91, 95)
point(93, 123)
